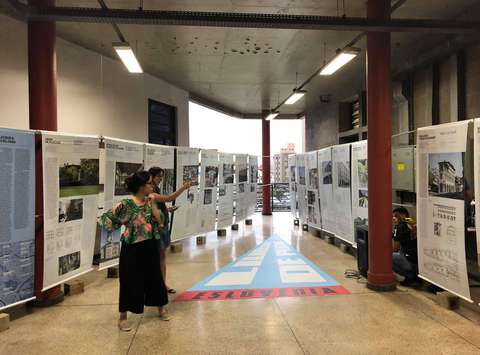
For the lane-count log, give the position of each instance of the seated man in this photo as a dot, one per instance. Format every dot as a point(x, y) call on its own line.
point(405, 261)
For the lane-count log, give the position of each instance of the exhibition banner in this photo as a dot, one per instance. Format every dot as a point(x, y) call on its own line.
point(313, 200)
point(17, 217)
point(441, 190)
point(292, 184)
point(71, 186)
point(325, 190)
point(186, 218)
point(253, 179)
point(242, 187)
point(118, 160)
point(301, 188)
point(342, 196)
point(360, 183)
point(208, 190)
point(226, 174)
point(162, 156)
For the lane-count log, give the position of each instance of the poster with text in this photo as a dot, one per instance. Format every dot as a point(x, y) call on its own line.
point(118, 160)
point(342, 192)
point(325, 190)
point(313, 198)
point(252, 188)
point(241, 182)
point(162, 156)
point(292, 184)
point(208, 190)
point(476, 169)
point(186, 218)
point(226, 174)
point(360, 183)
point(301, 188)
point(441, 206)
point(71, 186)
point(17, 217)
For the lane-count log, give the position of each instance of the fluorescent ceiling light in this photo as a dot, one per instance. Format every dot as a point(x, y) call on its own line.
point(272, 115)
point(294, 97)
point(339, 61)
point(125, 53)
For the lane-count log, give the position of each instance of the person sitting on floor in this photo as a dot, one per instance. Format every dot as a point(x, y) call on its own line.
point(405, 260)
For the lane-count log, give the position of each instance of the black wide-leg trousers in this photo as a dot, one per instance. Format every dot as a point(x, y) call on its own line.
point(141, 281)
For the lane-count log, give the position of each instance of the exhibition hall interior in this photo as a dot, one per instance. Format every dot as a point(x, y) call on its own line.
point(239, 177)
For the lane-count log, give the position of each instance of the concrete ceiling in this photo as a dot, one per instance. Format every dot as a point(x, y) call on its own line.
point(247, 70)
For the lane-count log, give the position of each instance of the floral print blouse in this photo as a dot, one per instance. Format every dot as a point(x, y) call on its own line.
point(139, 221)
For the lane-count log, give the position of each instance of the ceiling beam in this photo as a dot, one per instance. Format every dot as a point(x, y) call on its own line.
point(245, 20)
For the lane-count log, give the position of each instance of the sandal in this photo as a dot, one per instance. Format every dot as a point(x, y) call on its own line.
point(172, 291)
point(124, 326)
point(164, 316)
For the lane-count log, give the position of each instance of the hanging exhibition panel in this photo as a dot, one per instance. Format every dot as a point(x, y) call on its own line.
point(226, 173)
point(17, 217)
point(327, 207)
point(186, 218)
point(360, 183)
point(253, 179)
point(162, 156)
point(301, 188)
point(441, 182)
point(208, 190)
point(313, 201)
point(118, 160)
point(342, 196)
point(476, 169)
point(292, 184)
point(242, 187)
point(71, 186)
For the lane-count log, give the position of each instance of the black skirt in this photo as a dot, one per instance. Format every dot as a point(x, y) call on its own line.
point(141, 282)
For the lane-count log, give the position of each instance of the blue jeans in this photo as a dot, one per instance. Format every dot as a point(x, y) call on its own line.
point(403, 266)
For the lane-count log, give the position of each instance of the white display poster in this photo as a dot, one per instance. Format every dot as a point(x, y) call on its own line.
point(118, 160)
point(162, 156)
point(313, 200)
point(301, 188)
point(71, 186)
point(253, 179)
point(242, 187)
point(327, 207)
point(292, 184)
point(476, 169)
point(208, 190)
point(17, 217)
point(342, 196)
point(360, 183)
point(185, 221)
point(226, 173)
point(441, 206)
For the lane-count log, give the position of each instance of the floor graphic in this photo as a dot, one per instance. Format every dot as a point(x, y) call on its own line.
point(272, 269)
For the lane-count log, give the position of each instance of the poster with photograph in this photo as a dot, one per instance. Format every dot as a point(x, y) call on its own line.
point(342, 197)
point(162, 156)
point(301, 188)
point(208, 190)
point(313, 197)
point(292, 184)
point(118, 160)
point(360, 183)
point(185, 220)
point(325, 190)
point(241, 180)
point(252, 188)
point(441, 190)
point(17, 217)
point(71, 187)
point(476, 170)
point(226, 173)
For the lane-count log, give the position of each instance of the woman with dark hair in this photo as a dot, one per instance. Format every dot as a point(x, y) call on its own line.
point(164, 242)
point(141, 281)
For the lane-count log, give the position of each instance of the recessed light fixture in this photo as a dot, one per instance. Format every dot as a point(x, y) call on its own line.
point(272, 115)
point(126, 55)
point(343, 57)
point(295, 96)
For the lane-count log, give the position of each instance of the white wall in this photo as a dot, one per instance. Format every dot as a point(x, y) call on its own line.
point(95, 94)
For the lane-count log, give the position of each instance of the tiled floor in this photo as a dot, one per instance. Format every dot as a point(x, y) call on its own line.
point(363, 322)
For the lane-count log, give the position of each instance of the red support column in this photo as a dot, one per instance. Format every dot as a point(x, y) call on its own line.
point(380, 275)
point(267, 208)
point(42, 89)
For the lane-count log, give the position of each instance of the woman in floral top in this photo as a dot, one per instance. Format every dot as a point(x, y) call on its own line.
point(141, 281)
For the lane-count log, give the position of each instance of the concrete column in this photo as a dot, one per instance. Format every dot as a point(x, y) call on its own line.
point(379, 113)
point(266, 189)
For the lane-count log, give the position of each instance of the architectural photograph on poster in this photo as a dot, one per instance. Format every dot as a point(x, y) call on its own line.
point(327, 172)
point(242, 173)
point(80, 177)
point(313, 178)
point(70, 210)
point(362, 169)
point(241, 188)
point(167, 186)
point(292, 173)
point(122, 171)
point(343, 173)
point(363, 198)
point(68, 263)
point(445, 175)
point(301, 175)
point(110, 245)
point(211, 176)
point(222, 190)
point(207, 197)
point(228, 173)
point(190, 173)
